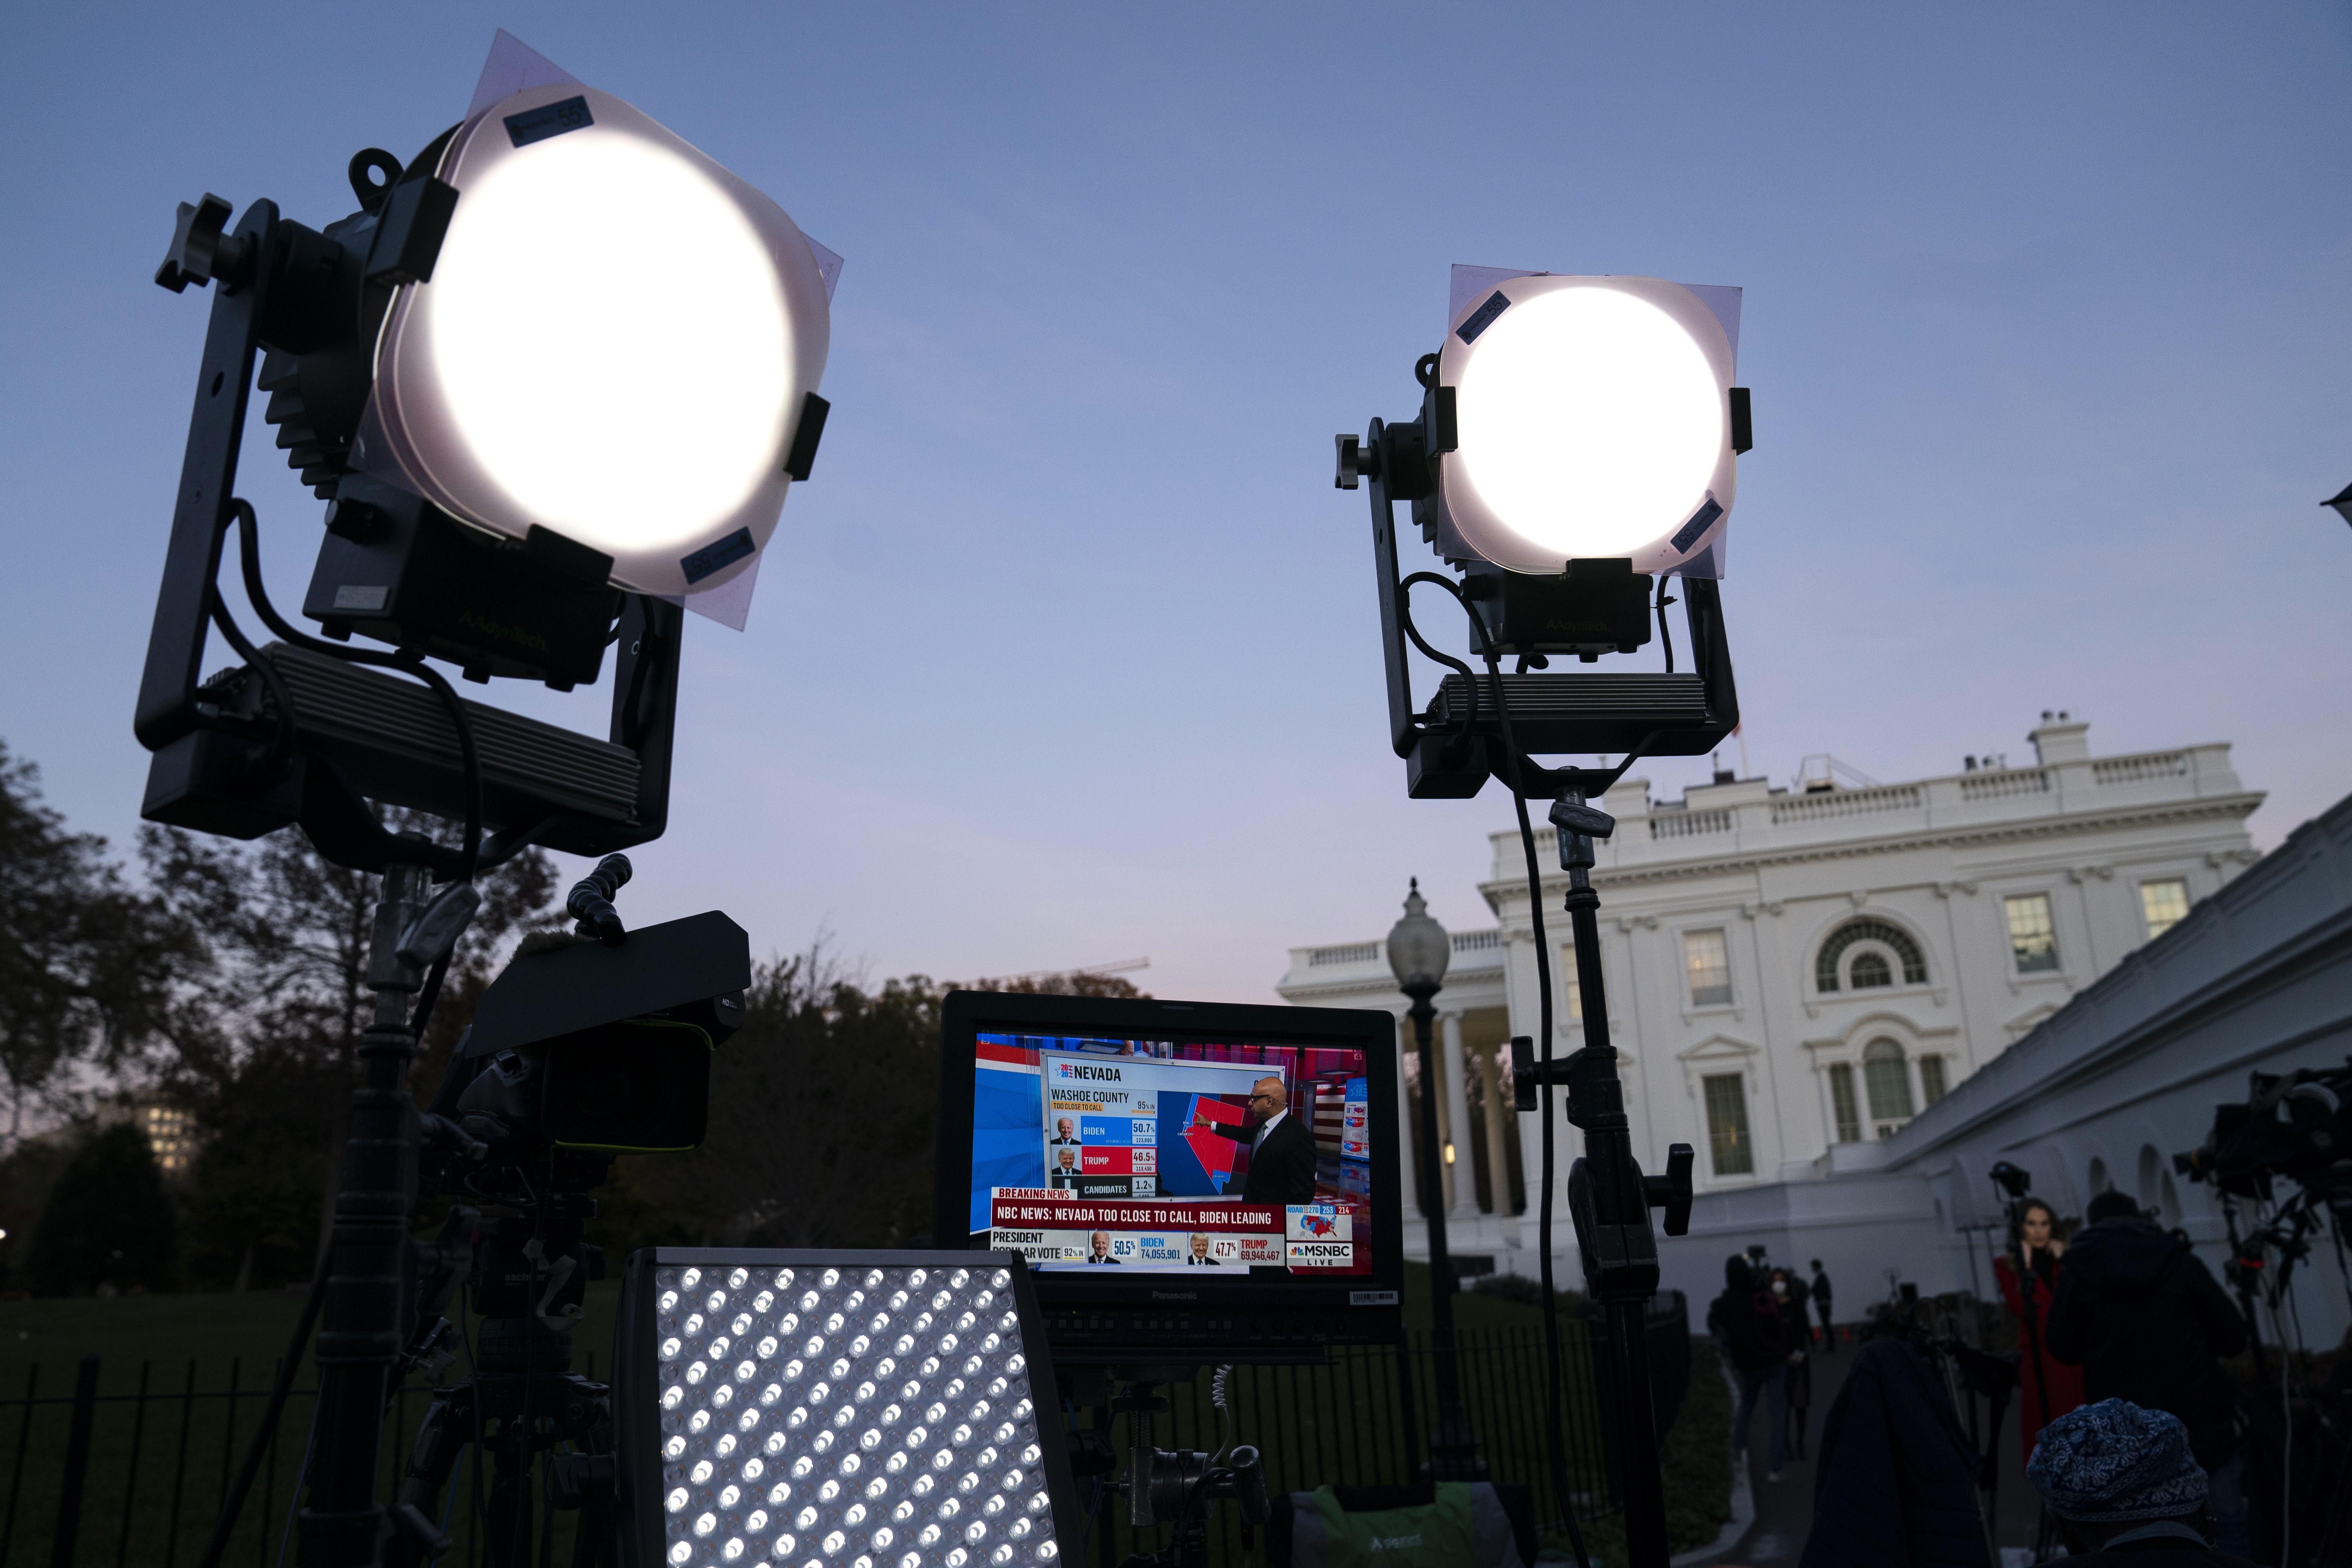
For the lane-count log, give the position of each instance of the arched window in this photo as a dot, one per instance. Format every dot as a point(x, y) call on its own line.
point(1888, 1080)
point(1870, 971)
point(1906, 953)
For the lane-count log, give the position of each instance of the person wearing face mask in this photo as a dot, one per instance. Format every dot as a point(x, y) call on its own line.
point(2029, 1273)
point(1789, 1296)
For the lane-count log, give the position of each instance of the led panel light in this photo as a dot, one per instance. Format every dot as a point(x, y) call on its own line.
point(1593, 420)
point(616, 342)
point(837, 1410)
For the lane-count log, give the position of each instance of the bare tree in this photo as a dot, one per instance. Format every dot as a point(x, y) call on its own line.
point(266, 1037)
point(88, 966)
point(823, 1109)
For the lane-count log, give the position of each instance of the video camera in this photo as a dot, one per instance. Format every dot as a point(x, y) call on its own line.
point(2295, 1125)
point(582, 1050)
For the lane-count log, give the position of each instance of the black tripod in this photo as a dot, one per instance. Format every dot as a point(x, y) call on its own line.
point(522, 1399)
point(1179, 1487)
point(1609, 1198)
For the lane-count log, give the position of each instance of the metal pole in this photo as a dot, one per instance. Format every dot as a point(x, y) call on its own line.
point(359, 1339)
point(1619, 1204)
point(1453, 1447)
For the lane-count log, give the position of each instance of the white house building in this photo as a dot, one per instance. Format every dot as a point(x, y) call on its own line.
point(1794, 973)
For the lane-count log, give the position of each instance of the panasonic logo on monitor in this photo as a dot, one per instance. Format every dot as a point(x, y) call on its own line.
point(1175, 1295)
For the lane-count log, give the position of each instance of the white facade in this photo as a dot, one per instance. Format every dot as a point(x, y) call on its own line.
point(2099, 1097)
point(1792, 976)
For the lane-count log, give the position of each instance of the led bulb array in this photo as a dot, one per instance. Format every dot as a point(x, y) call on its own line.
point(858, 1417)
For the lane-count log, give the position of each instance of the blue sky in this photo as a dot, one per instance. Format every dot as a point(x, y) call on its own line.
point(1068, 651)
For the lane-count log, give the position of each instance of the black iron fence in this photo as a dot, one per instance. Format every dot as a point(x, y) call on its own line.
point(124, 1463)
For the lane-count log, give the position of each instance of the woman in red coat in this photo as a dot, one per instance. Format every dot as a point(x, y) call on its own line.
point(2046, 1388)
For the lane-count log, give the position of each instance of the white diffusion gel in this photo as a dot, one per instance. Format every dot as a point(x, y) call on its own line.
point(841, 1419)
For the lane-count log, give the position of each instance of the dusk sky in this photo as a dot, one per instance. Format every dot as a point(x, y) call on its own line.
point(1069, 652)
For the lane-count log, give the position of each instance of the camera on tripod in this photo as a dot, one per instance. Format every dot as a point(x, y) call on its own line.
point(2297, 1126)
point(580, 1051)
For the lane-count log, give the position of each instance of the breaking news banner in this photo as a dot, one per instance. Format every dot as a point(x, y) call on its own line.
point(1056, 1229)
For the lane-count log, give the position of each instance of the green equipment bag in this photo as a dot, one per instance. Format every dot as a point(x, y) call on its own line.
point(1464, 1526)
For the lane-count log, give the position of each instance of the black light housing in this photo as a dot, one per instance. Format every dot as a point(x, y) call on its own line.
point(523, 464)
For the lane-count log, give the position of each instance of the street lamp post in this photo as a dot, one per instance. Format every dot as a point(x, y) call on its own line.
point(1419, 950)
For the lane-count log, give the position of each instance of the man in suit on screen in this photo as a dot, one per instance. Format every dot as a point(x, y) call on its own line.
point(1067, 1133)
point(1282, 1151)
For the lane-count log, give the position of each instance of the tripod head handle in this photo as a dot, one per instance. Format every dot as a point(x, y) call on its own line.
point(591, 901)
point(1672, 1192)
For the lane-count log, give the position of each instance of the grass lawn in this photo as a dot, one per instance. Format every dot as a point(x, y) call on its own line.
point(159, 1467)
point(1343, 1423)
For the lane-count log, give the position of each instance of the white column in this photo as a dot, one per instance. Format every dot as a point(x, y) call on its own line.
point(1461, 1183)
point(1408, 1126)
point(1499, 1164)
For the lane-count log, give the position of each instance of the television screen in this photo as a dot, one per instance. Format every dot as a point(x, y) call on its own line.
point(1250, 1151)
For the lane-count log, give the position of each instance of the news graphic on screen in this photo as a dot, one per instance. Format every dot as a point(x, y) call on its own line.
point(1093, 1155)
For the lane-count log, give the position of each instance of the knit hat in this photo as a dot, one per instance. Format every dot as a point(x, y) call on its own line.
point(2112, 1461)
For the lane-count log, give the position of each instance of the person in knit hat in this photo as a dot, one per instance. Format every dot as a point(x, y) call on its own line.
point(2125, 1489)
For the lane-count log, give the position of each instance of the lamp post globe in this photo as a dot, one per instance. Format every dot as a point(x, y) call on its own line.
point(1419, 950)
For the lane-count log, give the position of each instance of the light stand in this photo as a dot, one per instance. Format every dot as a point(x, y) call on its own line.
point(303, 732)
point(1474, 729)
point(370, 1270)
point(1609, 1198)
point(1419, 950)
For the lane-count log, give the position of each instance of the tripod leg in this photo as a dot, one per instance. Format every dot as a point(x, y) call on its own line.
point(440, 1437)
point(597, 1544)
point(509, 1524)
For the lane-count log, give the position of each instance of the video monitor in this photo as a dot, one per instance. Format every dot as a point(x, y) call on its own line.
point(1177, 1172)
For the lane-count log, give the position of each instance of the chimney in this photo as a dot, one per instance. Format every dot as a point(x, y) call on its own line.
point(2061, 738)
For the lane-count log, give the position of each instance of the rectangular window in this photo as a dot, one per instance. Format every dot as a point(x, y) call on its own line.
point(1842, 1103)
point(2032, 940)
point(1931, 1079)
point(1727, 1124)
point(1709, 966)
point(2163, 905)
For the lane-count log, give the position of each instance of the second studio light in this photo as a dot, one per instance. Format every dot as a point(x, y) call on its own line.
point(620, 340)
point(837, 1410)
point(1595, 418)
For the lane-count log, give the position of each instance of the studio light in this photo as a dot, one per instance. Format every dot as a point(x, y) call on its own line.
point(554, 379)
point(617, 342)
point(1577, 444)
point(1593, 419)
point(837, 1410)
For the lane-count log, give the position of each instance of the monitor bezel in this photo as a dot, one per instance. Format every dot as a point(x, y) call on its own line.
point(964, 1015)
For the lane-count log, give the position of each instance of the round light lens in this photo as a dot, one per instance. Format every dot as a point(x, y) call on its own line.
point(1593, 420)
point(616, 344)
